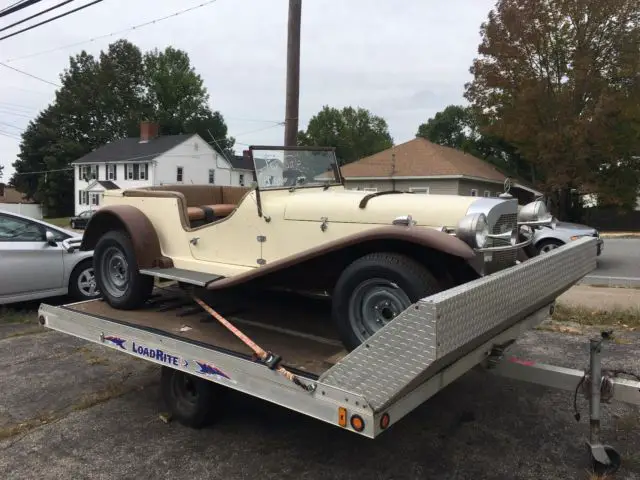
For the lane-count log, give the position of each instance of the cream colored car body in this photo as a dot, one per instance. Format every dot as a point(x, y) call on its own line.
point(298, 220)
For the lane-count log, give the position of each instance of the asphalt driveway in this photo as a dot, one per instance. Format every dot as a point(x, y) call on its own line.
point(70, 409)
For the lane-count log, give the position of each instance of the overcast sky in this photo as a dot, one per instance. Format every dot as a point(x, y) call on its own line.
point(404, 60)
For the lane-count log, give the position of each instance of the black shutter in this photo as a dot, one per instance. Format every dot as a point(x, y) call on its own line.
point(115, 171)
point(146, 171)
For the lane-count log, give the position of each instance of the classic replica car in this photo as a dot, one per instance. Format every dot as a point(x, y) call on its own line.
point(298, 227)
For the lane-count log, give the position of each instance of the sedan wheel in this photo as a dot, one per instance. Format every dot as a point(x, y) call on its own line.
point(87, 283)
point(82, 284)
point(548, 246)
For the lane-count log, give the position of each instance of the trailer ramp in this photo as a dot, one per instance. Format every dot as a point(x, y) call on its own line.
point(442, 328)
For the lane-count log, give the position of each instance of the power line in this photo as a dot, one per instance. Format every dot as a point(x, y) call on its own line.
point(29, 74)
point(134, 27)
point(16, 7)
point(36, 15)
point(48, 20)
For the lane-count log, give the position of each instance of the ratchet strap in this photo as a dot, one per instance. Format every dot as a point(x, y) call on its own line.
point(269, 359)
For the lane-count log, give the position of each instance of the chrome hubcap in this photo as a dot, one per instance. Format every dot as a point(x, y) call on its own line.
point(114, 271)
point(375, 303)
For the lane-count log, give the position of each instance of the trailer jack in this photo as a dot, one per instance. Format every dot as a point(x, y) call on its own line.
point(604, 458)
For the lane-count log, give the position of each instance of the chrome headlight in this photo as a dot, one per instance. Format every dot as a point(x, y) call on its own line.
point(536, 214)
point(533, 212)
point(474, 230)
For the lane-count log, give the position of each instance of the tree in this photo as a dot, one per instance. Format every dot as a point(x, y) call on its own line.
point(460, 128)
point(559, 80)
point(355, 132)
point(104, 99)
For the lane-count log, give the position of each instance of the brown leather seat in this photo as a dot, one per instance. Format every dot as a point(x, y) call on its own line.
point(210, 212)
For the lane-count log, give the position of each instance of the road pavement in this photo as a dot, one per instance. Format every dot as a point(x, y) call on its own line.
point(619, 264)
point(70, 410)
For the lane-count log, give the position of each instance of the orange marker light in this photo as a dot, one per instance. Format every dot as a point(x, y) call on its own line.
point(357, 423)
point(342, 416)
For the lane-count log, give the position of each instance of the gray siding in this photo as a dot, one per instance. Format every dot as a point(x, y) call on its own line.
point(465, 187)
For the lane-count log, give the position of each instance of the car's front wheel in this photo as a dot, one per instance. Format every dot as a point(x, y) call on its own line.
point(82, 282)
point(375, 289)
point(547, 245)
point(117, 275)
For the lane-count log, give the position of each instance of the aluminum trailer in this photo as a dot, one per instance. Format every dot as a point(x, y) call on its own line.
point(428, 346)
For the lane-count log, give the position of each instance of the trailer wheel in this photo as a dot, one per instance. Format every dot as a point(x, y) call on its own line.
point(191, 400)
point(373, 290)
point(116, 272)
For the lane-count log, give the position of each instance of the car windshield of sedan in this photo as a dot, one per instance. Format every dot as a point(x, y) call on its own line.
point(286, 168)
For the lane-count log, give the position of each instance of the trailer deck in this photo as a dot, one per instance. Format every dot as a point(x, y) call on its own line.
point(365, 391)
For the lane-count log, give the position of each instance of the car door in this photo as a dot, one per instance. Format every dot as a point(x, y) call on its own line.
point(27, 262)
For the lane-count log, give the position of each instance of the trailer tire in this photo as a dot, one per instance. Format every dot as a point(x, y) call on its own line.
point(191, 400)
point(129, 289)
point(373, 290)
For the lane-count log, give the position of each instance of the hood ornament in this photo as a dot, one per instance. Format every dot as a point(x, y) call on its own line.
point(507, 188)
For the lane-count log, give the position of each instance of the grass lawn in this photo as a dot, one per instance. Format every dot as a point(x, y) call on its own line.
point(59, 222)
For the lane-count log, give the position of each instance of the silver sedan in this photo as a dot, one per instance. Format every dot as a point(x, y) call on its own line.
point(546, 239)
point(39, 260)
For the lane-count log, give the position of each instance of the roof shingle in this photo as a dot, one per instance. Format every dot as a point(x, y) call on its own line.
point(132, 149)
point(421, 158)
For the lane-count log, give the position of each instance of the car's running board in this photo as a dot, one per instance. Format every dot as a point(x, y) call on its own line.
point(182, 275)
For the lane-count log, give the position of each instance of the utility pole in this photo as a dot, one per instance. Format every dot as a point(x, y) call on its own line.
point(293, 73)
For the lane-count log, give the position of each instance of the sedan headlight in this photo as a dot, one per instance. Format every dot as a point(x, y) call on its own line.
point(474, 230)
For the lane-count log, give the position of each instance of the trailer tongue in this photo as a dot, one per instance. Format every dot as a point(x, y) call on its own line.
point(425, 348)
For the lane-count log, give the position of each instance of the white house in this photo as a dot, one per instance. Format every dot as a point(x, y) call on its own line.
point(152, 159)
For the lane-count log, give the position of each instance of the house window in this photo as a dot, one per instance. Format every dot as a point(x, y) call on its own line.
point(95, 199)
point(487, 193)
point(179, 172)
point(242, 179)
point(111, 172)
point(212, 175)
point(424, 190)
point(144, 171)
point(474, 192)
point(88, 172)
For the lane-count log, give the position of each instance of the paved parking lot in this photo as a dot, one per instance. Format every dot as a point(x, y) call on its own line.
point(70, 409)
point(619, 263)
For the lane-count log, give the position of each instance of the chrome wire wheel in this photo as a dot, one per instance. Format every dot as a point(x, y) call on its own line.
point(374, 303)
point(87, 283)
point(114, 270)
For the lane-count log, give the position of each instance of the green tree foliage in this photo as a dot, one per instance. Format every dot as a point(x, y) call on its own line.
point(355, 132)
point(103, 99)
point(460, 127)
point(560, 81)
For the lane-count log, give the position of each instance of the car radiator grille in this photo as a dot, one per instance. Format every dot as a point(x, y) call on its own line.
point(505, 222)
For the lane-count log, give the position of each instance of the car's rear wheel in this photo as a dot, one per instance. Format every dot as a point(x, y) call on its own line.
point(375, 289)
point(116, 272)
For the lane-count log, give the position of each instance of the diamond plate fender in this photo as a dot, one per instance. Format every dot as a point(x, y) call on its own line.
point(438, 329)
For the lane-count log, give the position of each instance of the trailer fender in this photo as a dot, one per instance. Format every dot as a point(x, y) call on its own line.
point(137, 226)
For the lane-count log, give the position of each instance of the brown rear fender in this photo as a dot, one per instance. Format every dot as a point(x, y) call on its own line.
point(135, 224)
point(395, 238)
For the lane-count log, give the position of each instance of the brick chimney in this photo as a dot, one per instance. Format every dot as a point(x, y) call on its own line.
point(148, 131)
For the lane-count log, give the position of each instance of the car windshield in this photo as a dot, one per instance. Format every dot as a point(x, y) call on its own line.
point(299, 167)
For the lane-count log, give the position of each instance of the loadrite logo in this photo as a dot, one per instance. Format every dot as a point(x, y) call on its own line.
point(156, 354)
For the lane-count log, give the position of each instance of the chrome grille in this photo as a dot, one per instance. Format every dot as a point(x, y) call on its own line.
point(505, 223)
